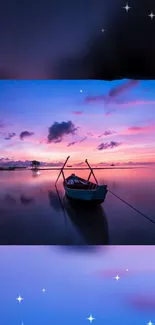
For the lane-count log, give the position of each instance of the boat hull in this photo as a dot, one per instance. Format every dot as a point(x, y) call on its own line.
point(96, 196)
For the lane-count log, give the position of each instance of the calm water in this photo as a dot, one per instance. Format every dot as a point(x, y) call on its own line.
point(31, 213)
point(77, 283)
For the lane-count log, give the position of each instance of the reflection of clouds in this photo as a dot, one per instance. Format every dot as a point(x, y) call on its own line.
point(26, 200)
point(10, 199)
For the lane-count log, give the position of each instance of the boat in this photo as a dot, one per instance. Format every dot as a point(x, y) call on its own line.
point(77, 188)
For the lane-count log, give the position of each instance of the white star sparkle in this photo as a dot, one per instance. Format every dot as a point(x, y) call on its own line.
point(151, 15)
point(43, 290)
point(150, 323)
point(81, 90)
point(117, 277)
point(127, 270)
point(102, 30)
point(127, 7)
point(90, 318)
point(19, 299)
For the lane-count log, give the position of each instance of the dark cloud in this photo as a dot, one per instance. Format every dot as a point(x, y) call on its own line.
point(83, 139)
point(113, 93)
point(25, 134)
point(110, 145)
point(72, 143)
point(57, 131)
point(92, 99)
point(106, 133)
point(118, 90)
point(10, 136)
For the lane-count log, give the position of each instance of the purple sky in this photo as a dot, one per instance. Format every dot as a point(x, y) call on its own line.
point(49, 120)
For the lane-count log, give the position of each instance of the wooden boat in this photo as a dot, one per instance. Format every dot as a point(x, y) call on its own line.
point(77, 188)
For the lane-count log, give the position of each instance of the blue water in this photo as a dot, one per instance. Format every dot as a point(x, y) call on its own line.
point(31, 213)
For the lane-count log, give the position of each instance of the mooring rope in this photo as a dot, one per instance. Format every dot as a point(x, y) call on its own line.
point(132, 207)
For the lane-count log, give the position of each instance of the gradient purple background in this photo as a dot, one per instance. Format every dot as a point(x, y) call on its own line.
point(77, 283)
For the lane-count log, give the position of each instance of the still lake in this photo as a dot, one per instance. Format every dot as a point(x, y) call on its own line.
point(31, 212)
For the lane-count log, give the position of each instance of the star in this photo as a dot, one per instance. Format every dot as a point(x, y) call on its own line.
point(90, 318)
point(81, 90)
point(127, 270)
point(102, 30)
point(127, 7)
point(151, 15)
point(19, 299)
point(117, 277)
point(43, 290)
point(38, 173)
point(150, 323)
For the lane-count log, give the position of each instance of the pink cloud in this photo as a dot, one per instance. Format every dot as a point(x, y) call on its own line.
point(111, 273)
point(77, 112)
point(138, 102)
point(92, 99)
point(142, 302)
point(139, 129)
point(108, 113)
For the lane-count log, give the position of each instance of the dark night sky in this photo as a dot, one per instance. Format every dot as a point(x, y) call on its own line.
point(63, 39)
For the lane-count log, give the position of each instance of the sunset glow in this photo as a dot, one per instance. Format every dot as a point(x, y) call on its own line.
point(106, 122)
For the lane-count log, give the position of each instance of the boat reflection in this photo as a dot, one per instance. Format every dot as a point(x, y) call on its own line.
point(54, 200)
point(90, 220)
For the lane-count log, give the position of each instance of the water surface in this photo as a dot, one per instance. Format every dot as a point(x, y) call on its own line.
point(31, 212)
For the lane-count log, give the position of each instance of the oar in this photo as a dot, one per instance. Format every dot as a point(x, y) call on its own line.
point(91, 172)
point(62, 169)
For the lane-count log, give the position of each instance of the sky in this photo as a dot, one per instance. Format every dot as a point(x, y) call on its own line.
point(77, 40)
point(68, 284)
point(105, 122)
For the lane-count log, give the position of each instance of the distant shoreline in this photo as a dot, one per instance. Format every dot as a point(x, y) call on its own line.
point(76, 168)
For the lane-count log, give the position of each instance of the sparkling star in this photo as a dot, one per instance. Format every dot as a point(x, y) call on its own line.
point(91, 318)
point(43, 290)
point(127, 7)
point(127, 270)
point(151, 15)
point(81, 90)
point(102, 30)
point(19, 299)
point(150, 323)
point(117, 277)
point(38, 173)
